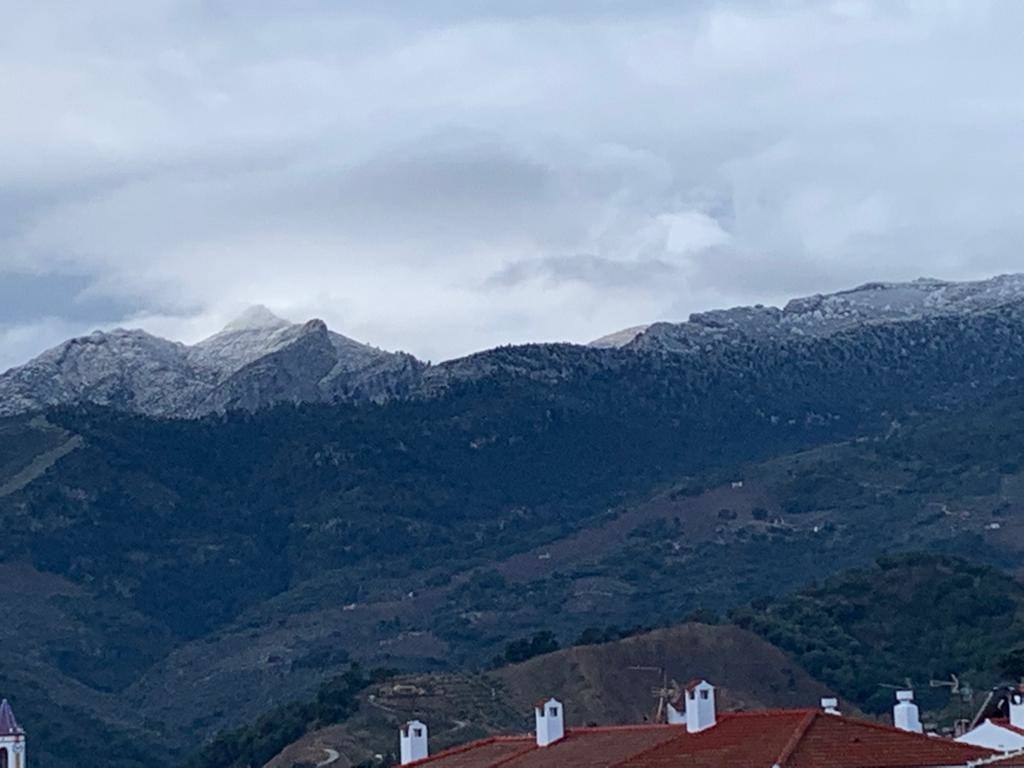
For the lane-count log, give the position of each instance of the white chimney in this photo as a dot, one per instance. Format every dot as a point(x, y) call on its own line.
point(1017, 709)
point(700, 706)
point(550, 718)
point(412, 742)
point(905, 715)
point(830, 705)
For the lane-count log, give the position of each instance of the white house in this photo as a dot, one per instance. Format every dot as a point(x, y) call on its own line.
point(698, 735)
point(1004, 735)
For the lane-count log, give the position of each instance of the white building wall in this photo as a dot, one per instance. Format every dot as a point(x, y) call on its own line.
point(550, 718)
point(700, 707)
point(412, 742)
point(993, 736)
point(15, 746)
point(1017, 709)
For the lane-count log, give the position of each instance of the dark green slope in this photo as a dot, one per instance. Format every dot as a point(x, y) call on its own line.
point(911, 617)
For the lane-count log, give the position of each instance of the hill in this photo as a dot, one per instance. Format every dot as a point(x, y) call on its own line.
point(609, 683)
point(910, 617)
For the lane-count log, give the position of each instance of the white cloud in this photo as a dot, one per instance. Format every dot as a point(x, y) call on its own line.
point(445, 180)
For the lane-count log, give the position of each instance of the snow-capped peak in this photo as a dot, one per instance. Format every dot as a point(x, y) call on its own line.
point(257, 317)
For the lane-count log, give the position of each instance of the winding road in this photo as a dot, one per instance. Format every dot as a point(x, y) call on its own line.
point(332, 757)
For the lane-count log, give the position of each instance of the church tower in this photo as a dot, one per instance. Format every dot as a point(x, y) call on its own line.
point(12, 739)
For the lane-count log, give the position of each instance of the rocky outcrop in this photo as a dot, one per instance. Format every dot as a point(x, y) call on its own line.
point(256, 361)
point(822, 316)
point(260, 359)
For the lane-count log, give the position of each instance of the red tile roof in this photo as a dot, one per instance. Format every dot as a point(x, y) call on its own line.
point(487, 752)
point(841, 742)
point(800, 738)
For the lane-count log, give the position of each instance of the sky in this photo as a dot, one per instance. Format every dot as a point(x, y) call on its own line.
point(446, 176)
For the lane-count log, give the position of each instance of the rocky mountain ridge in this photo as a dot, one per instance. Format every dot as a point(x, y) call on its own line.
point(260, 360)
point(825, 315)
point(257, 360)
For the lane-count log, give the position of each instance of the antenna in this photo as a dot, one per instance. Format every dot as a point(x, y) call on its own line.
point(908, 685)
point(665, 693)
point(953, 684)
point(956, 687)
point(668, 692)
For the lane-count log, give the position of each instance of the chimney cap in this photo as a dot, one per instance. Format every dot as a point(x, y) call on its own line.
point(904, 695)
point(830, 704)
point(416, 728)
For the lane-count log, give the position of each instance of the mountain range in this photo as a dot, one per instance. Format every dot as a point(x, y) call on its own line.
point(167, 578)
point(259, 359)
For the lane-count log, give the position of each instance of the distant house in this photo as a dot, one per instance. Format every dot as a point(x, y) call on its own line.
point(697, 736)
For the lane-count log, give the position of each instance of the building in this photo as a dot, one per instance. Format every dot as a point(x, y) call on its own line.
point(697, 736)
point(12, 739)
point(1005, 734)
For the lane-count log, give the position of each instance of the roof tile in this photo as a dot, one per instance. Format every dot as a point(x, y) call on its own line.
point(797, 738)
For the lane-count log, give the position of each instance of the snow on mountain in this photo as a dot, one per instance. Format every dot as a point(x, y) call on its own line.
point(828, 314)
point(619, 338)
point(260, 359)
point(256, 360)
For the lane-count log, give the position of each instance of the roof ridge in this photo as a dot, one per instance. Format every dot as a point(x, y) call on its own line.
point(458, 750)
point(778, 712)
point(622, 727)
point(893, 729)
point(796, 738)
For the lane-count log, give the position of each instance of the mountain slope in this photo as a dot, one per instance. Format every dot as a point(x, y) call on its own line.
point(256, 361)
point(916, 617)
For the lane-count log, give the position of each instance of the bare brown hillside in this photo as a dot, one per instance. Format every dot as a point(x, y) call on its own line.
point(607, 683)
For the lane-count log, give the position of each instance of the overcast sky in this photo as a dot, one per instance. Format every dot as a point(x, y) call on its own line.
point(489, 172)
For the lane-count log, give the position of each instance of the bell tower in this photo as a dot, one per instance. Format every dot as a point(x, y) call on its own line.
point(12, 739)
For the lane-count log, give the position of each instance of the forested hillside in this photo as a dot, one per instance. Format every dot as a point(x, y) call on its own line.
point(911, 617)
